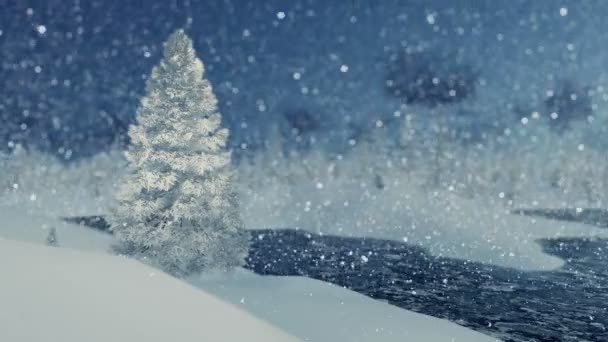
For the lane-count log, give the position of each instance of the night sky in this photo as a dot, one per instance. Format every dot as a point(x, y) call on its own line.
point(72, 72)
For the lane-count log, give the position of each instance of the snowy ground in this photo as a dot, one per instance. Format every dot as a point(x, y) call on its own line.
point(40, 283)
point(317, 311)
point(27, 225)
point(56, 294)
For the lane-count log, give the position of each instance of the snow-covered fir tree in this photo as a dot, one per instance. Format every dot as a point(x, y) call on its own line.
point(51, 238)
point(176, 208)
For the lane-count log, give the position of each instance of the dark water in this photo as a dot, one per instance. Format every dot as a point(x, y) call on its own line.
point(568, 304)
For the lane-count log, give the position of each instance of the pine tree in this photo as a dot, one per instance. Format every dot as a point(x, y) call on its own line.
point(51, 238)
point(177, 209)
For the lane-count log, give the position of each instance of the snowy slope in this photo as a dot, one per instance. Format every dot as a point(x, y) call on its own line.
point(317, 311)
point(55, 294)
point(40, 279)
point(28, 224)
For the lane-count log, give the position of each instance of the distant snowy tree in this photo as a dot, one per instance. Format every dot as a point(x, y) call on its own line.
point(51, 238)
point(568, 103)
point(177, 208)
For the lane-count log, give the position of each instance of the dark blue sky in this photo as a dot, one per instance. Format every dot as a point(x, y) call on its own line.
point(72, 71)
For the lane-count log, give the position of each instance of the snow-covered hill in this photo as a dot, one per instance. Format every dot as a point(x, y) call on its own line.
point(63, 295)
point(80, 294)
point(318, 311)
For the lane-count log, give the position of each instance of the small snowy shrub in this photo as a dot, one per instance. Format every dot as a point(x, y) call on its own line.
point(176, 208)
point(51, 238)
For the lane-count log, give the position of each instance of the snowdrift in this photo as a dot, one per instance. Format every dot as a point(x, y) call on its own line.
point(55, 294)
point(317, 311)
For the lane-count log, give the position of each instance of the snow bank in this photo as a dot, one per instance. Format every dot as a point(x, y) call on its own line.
point(316, 311)
point(27, 224)
point(56, 294)
point(357, 196)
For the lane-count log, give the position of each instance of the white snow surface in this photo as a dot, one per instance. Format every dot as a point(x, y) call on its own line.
point(317, 311)
point(56, 294)
point(79, 294)
point(29, 224)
